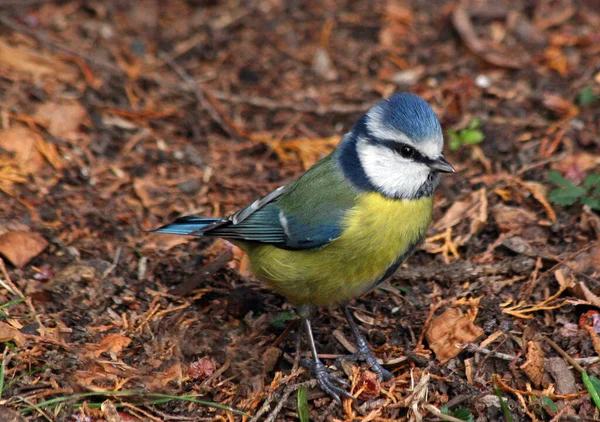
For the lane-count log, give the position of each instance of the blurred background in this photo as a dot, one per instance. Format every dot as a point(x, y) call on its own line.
point(118, 116)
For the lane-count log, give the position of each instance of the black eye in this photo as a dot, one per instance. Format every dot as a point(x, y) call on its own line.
point(406, 152)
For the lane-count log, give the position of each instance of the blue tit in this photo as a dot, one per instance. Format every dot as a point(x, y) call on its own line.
point(347, 223)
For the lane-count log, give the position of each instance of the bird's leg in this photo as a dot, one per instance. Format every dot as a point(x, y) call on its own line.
point(364, 352)
point(325, 379)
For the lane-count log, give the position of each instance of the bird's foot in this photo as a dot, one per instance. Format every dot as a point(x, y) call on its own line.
point(327, 381)
point(363, 354)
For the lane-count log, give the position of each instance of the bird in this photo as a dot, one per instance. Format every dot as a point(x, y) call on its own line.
point(346, 224)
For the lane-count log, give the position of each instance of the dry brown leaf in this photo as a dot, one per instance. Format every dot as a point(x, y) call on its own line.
point(510, 218)
point(308, 150)
point(23, 143)
point(539, 192)
point(557, 60)
point(8, 333)
point(112, 343)
point(10, 174)
point(164, 242)
point(449, 332)
point(148, 191)
point(534, 364)
point(27, 61)
point(62, 120)
point(160, 380)
point(473, 208)
point(20, 247)
point(565, 109)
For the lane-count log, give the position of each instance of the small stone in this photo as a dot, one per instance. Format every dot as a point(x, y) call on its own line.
point(190, 187)
point(483, 81)
point(406, 77)
point(192, 155)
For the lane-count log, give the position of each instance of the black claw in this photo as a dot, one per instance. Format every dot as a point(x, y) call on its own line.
point(327, 380)
point(364, 354)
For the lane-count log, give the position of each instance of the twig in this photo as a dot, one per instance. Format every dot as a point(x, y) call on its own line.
point(471, 347)
point(286, 394)
point(202, 98)
point(114, 264)
point(564, 354)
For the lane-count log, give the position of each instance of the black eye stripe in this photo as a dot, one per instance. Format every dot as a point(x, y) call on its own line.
point(396, 147)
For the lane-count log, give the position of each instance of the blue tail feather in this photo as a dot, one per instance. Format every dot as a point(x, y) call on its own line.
point(187, 225)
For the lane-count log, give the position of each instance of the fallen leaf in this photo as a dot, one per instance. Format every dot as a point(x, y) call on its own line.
point(534, 364)
point(148, 191)
point(112, 343)
point(473, 209)
point(449, 332)
point(29, 62)
point(565, 109)
point(160, 380)
point(8, 333)
point(509, 218)
point(307, 149)
point(539, 192)
point(23, 143)
point(20, 247)
point(62, 120)
point(557, 60)
point(163, 242)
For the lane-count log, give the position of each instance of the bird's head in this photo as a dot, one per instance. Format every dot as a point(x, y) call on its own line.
point(396, 149)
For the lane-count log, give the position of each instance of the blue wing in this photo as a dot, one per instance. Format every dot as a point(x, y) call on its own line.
point(306, 214)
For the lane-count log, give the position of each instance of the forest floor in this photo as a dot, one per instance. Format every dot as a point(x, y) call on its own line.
point(117, 117)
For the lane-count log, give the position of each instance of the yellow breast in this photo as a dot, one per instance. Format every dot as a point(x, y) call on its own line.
point(378, 231)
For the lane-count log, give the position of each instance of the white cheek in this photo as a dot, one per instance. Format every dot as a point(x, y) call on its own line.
point(392, 174)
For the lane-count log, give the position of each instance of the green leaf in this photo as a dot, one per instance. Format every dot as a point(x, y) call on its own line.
point(564, 196)
point(587, 97)
point(592, 180)
point(303, 405)
point(2, 369)
point(557, 178)
point(455, 142)
point(463, 414)
point(472, 136)
point(503, 405)
point(547, 402)
point(149, 398)
point(592, 203)
point(474, 124)
point(592, 384)
point(282, 319)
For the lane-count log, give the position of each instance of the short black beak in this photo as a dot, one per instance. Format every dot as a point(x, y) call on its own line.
point(441, 165)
